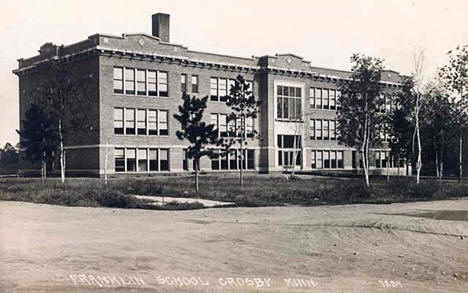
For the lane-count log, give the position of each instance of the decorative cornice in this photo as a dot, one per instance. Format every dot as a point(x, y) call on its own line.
point(188, 62)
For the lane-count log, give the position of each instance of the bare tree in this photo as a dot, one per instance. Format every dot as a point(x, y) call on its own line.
point(418, 78)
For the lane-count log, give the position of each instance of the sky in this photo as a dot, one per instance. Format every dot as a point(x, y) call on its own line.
point(326, 33)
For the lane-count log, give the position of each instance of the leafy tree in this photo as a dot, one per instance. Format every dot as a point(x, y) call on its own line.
point(455, 80)
point(436, 125)
point(198, 133)
point(359, 118)
point(64, 98)
point(401, 125)
point(39, 138)
point(244, 107)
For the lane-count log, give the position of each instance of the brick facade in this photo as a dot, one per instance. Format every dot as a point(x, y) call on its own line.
point(98, 55)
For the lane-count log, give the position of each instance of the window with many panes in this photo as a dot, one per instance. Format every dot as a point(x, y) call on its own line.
point(326, 159)
point(132, 121)
point(289, 150)
point(327, 99)
point(141, 82)
point(323, 129)
point(141, 159)
point(289, 102)
point(233, 160)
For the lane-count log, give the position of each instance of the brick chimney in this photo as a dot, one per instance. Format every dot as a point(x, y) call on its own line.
point(160, 26)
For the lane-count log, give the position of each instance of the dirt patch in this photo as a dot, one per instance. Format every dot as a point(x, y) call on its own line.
point(353, 248)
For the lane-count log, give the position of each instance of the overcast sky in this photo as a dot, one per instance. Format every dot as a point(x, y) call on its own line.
point(323, 32)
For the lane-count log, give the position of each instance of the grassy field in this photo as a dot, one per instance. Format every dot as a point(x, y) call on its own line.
point(259, 190)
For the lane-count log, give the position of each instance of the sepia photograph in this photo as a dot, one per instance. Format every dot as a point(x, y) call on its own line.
point(234, 146)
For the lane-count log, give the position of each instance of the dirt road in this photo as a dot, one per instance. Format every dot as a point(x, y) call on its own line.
point(355, 248)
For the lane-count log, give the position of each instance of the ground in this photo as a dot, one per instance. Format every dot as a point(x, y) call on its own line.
point(349, 248)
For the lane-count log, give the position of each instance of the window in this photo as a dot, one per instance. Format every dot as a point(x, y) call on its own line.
point(312, 129)
point(163, 124)
point(131, 160)
point(153, 160)
point(152, 88)
point(232, 128)
point(318, 159)
point(118, 121)
point(223, 89)
point(312, 160)
point(183, 83)
point(332, 99)
point(162, 84)
point(289, 146)
point(250, 159)
point(233, 160)
point(214, 89)
point(289, 102)
point(326, 129)
point(141, 121)
point(249, 126)
point(142, 160)
point(194, 83)
point(223, 131)
point(338, 99)
point(164, 159)
point(215, 160)
point(224, 161)
point(333, 159)
point(318, 98)
point(332, 129)
point(325, 99)
point(119, 156)
point(129, 121)
point(129, 81)
point(250, 86)
point(279, 108)
point(231, 83)
point(312, 98)
point(318, 129)
point(382, 159)
point(339, 155)
point(118, 80)
point(141, 82)
point(326, 159)
point(152, 122)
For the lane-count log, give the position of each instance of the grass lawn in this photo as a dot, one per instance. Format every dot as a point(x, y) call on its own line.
point(259, 190)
